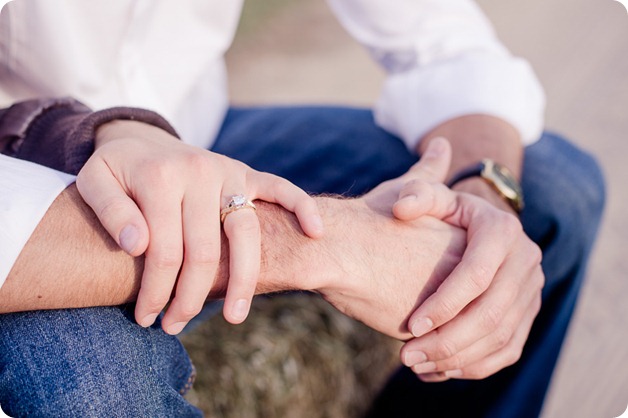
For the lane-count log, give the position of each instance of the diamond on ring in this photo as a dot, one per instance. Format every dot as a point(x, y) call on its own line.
point(237, 202)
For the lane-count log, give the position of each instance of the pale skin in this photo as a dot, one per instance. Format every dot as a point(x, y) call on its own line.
point(162, 198)
point(473, 353)
point(346, 265)
point(477, 323)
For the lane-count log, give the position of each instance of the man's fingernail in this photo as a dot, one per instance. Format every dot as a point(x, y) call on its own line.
point(421, 326)
point(176, 328)
point(240, 309)
point(414, 357)
point(129, 236)
point(421, 368)
point(148, 320)
point(454, 373)
point(436, 147)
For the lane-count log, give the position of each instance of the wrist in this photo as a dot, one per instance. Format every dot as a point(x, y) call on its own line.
point(293, 261)
point(478, 187)
point(475, 137)
point(124, 129)
point(338, 258)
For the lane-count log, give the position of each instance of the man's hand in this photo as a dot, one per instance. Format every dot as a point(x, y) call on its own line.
point(377, 269)
point(478, 320)
point(160, 197)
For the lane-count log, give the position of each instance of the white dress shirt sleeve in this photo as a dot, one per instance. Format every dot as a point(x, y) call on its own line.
point(443, 60)
point(26, 192)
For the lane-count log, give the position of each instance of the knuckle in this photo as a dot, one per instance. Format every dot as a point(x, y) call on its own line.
point(512, 356)
point(154, 166)
point(415, 184)
point(187, 311)
point(540, 279)
point(197, 163)
point(443, 310)
point(166, 260)
point(536, 254)
point(502, 337)
point(444, 349)
point(480, 277)
point(203, 254)
point(510, 224)
point(538, 300)
point(196, 160)
point(282, 188)
point(155, 302)
point(491, 317)
point(531, 254)
point(250, 228)
point(111, 208)
point(157, 171)
point(446, 308)
point(453, 363)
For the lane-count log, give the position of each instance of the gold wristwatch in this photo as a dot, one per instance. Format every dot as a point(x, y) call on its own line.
point(498, 177)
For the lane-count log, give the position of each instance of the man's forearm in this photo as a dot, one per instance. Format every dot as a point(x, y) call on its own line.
point(368, 265)
point(71, 261)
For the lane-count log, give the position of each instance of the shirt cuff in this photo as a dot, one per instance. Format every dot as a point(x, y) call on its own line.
point(26, 192)
point(416, 101)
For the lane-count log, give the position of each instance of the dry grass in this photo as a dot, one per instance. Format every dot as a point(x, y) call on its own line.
point(294, 357)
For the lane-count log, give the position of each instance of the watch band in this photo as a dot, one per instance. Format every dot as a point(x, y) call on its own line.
point(472, 171)
point(496, 176)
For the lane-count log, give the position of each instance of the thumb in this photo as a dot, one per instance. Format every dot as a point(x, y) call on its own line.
point(117, 212)
point(434, 163)
point(420, 191)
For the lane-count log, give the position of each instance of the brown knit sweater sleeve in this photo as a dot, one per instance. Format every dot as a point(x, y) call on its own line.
point(59, 133)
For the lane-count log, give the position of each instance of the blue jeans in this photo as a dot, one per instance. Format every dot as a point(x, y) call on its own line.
point(97, 362)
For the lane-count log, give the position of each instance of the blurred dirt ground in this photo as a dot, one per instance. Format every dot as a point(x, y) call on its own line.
point(295, 52)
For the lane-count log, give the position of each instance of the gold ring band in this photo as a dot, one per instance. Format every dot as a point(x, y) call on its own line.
point(236, 202)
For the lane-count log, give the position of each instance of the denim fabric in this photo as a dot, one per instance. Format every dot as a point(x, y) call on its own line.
point(98, 362)
point(94, 362)
point(347, 154)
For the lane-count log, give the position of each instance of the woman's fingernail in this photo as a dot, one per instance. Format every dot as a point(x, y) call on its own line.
point(176, 328)
point(129, 236)
point(421, 326)
point(148, 320)
point(240, 309)
point(414, 357)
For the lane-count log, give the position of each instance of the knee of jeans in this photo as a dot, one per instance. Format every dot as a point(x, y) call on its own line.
point(584, 195)
point(87, 363)
point(565, 197)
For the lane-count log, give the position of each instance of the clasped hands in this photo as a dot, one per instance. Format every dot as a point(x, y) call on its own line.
point(473, 308)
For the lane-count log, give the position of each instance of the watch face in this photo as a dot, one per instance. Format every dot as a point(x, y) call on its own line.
point(505, 183)
point(503, 175)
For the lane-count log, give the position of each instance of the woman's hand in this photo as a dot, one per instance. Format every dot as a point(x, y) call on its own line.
point(157, 196)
